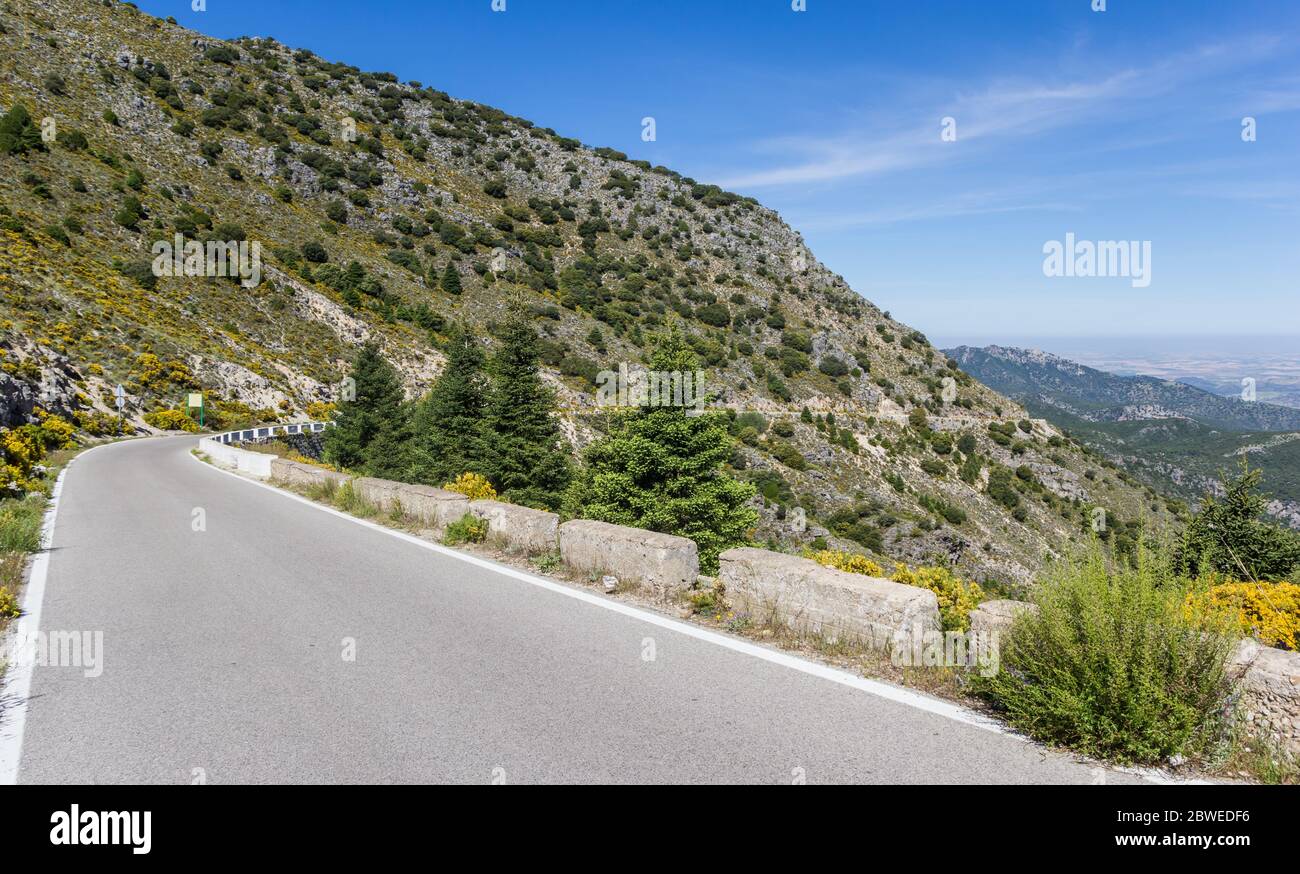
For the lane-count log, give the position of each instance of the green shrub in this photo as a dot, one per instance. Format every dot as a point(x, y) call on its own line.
point(19, 133)
point(1111, 665)
point(466, 529)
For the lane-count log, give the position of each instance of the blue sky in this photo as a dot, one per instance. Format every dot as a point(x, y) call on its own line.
point(1116, 125)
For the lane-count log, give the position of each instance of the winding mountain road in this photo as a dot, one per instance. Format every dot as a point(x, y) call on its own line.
point(226, 660)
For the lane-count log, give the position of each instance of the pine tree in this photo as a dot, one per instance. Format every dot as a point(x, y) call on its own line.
point(450, 283)
point(447, 438)
point(529, 459)
point(370, 428)
point(661, 469)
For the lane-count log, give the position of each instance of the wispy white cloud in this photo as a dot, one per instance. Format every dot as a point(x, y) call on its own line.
point(965, 204)
point(1000, 110)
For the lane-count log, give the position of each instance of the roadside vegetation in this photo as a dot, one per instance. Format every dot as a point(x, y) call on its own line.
point(29, 456)
point(488, 428)
point(1126, 660)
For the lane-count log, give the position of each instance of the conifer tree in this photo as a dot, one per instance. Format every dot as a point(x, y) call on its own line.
point(447, 438)
point(661, 469)
point(370, 427)
point(450, 283)
point(1232, 535)
point(528, 462)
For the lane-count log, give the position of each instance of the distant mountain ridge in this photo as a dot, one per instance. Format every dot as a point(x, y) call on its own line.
point(1031, 375)
point(1173, 436)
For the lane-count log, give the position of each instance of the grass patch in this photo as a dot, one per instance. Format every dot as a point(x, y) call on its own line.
point(1112, 666)
point(20, 524)
point(325, 490)
point(349, 500)
point(1258, 759)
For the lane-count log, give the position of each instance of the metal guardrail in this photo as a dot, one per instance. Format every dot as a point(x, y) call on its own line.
point(270, 432)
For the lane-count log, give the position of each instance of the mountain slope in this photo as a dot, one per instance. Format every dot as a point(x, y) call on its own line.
point(1175, 437)
point(388, 210)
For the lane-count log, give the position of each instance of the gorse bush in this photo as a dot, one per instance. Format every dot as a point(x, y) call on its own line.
point(23, 449)
point(171, 420)
point(845, 561)
point(8, 604)
point(1111, 665)
point(472, 486)
point(957, 597)
point(1267, 611)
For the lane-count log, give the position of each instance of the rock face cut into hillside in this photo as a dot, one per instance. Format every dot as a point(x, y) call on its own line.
point(389, 210)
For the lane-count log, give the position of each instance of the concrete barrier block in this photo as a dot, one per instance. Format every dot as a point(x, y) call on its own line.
point(665, 563)
point(437, 508)
point(518, 529)
point(811, 598)
point(299, 474)
point(381, 493)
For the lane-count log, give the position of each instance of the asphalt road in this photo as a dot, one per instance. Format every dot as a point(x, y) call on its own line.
point(225, 659)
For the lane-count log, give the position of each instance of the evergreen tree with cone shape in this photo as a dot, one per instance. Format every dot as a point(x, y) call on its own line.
point(448, 421)
point(371, 428)
point(661, 469)
point(450, 283)
point(528, 461)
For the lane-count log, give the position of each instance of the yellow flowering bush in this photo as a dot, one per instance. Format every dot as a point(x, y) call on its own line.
point(171, 420)
point(157, 375)
point(8, 604)
point(957, 597)
point(24, 447)
point(56, 432)
point(845, 561)
point(472, 486)
point(319, 411)
point(1267, 611)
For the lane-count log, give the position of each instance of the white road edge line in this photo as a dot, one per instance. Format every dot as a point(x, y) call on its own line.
point(880, 689)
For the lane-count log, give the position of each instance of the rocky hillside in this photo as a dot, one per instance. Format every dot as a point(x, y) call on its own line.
point(389, 210)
